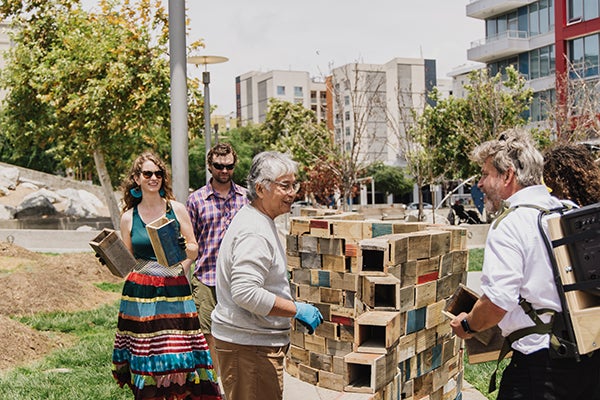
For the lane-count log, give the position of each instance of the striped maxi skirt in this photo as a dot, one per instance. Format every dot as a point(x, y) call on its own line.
point(159, 350)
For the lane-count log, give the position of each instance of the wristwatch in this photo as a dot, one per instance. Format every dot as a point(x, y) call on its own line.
point(465, 325)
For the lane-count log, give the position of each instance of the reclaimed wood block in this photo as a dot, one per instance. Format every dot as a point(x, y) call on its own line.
point(409, 227)
point(423, 385)
point(349, 299)
point(434, 315)
point(419, 245)
point(378, 331)
point(349, 230)
point(331, 296)
point(320, 228)
point(458, 235)
point(325, 310)
point(373, 256)
point(427, 269)
point(426, 338)
point(294, 262)
point(393, 390)
point(302, 276)
point(463, 300)
point(381, 229)
point(113, 251)
point(366, 373)
point(407, 346)
point(308, 244)
point(381, 292)
point(308, 374)
point(328, 330)
point(308, 293)
point(343, 312)
point(398, 249)
point(345, 281)
point(409, 273)
point(338, 349)
point(164, 237)
point(407, 298)
point(330, 380)
point(298, 354)
point(352, 265)
point(351, 249)
point(407, 390)
point(347, 334)
point(444, 331)
point(449, 350)
point(446, 286)
point(297, 338)
point(320, 361)
point(291, 367)
point(440, 242)
point(315, 344)
point(425, 294)
point(332, 246)
point(334, 263)
point(338, 366)
point(299, 226)
point(310, 260)
point(320, 278)
point(460, 261)
point(291, 245)
point(446, 264)
point(415, 319)
point(440, 378)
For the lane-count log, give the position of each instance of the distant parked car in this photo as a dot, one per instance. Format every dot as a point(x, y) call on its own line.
point(415, 206)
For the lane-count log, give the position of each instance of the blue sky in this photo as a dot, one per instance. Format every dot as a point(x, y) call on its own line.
point(313, 35)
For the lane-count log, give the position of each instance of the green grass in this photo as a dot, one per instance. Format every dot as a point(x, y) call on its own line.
point(475, 259)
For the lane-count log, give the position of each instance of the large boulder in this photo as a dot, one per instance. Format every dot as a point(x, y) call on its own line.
point(9, 177)
point(80, 203)
point(35, 206)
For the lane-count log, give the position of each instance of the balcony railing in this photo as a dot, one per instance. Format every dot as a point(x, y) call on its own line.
point(501, 36)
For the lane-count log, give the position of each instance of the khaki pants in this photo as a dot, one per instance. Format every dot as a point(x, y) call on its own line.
point(251, 372)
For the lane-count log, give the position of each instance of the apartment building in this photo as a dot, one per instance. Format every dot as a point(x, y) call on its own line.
point(254, 89)
point(541, 39)
point(370, 106)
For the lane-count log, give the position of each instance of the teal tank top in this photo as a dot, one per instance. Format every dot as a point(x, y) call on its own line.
point(140, 241)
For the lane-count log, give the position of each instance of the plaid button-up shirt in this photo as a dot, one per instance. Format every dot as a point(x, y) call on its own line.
point(211, 214)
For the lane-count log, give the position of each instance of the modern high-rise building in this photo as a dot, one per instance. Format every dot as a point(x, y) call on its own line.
point(254, 89)
point(372, 105)
point(545, 40)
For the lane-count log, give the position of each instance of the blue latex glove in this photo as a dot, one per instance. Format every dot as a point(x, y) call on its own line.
point(308, 315)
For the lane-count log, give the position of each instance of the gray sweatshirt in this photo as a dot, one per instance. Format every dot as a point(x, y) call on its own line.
point(251, 272)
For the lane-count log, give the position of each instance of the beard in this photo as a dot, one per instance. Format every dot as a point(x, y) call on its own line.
point(222, 178)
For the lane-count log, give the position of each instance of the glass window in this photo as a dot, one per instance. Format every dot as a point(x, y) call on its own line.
point(523, 25)
point(347, 131)
point(491, 29)
point(281, 90)
point(575, 10)
point(347, 100)
point(590, 44)
point(544, 17)
point(552, 59)
point(512, 22)
point(534, 20)
point(534, 64)
point(347, 116)
point(544, 61)
point(298, 91)
point(502, 24)
point(590, 9)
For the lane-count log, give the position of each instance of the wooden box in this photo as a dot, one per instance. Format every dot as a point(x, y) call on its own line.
point(584, 307)
point(377, 331)
point(164, 236)
point(485, 345)
point(381, 292)
point(111, 248)
point(369, 372)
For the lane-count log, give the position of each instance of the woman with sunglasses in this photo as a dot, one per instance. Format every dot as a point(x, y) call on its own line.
point(159, 352)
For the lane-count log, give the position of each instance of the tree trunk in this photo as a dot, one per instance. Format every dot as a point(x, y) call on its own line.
point(109, 195)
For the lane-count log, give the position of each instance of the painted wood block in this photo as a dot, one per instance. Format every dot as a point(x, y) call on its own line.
point(415, 319)
point(320, 228)
point(320, 278)
point(427, 269)
point(351, 249)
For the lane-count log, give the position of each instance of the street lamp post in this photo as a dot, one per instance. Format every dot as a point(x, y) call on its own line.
point(205, 60)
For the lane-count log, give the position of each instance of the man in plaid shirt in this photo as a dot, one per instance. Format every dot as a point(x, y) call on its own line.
point(211, 209)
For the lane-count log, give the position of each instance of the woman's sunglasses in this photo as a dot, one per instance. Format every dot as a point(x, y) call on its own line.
point(148, 174)
point(220, 167)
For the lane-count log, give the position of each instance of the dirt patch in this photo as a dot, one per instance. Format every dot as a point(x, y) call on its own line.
point(31, 283)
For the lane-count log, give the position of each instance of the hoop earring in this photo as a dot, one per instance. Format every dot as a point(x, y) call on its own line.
point(136, 192)
point(162, 192)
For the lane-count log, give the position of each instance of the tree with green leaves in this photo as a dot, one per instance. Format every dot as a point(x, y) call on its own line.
point(90, 90)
